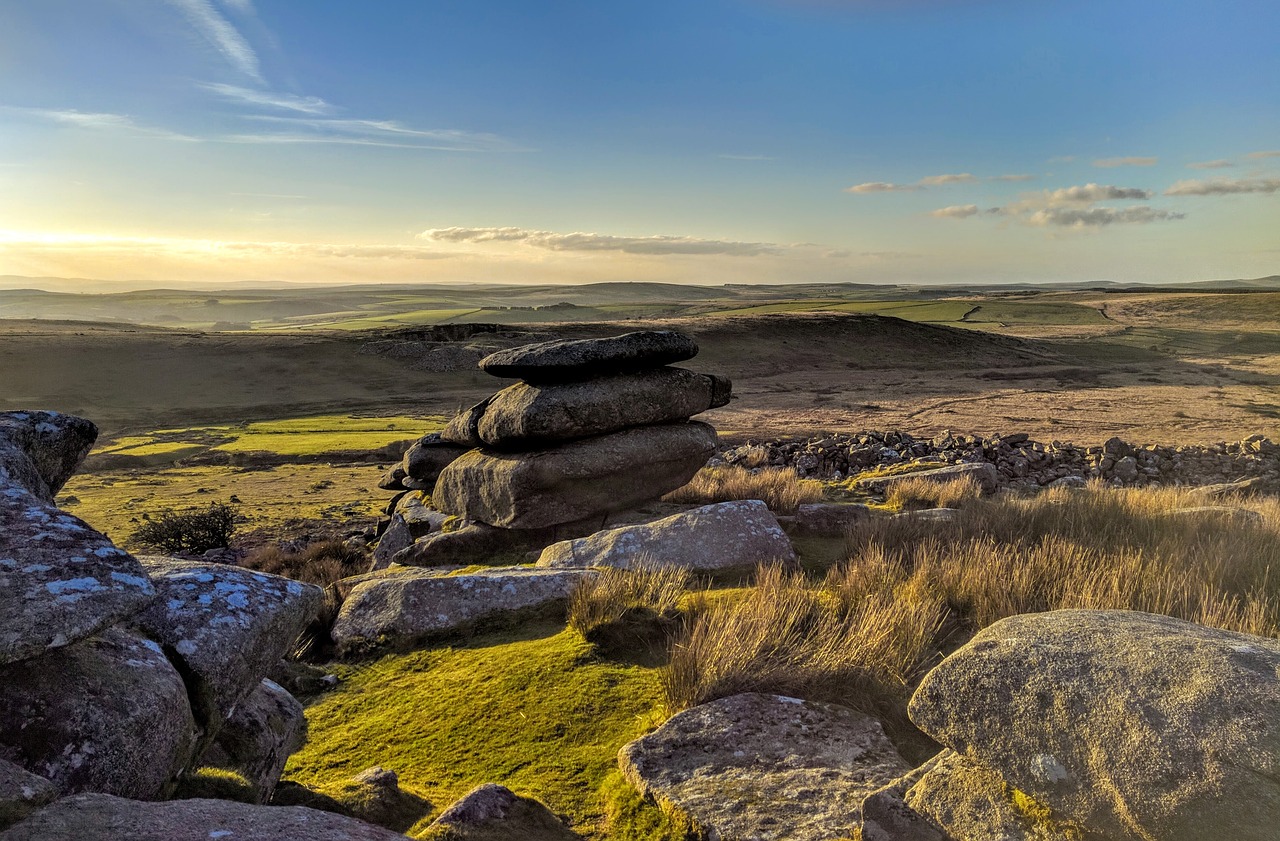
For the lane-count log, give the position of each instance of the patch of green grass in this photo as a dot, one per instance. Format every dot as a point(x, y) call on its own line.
point(1031, 312)
point(533, 710)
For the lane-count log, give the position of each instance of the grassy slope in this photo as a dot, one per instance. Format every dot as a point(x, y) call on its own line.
point(531, 710)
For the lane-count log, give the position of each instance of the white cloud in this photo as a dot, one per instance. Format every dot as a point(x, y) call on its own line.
point(1224, 186)
point(881, 187)
point(270, 99)
point(956, 211)
point(1062, 159)
point(1109, 163)
point(1218, 164)
point(957, 178)
point(1017, 177)
point(224, 37)
point(1266, 153)
point(244, 7)
point(652, 245)
point(372, 133)
point(1097, 217)
point(1090, 193)
point(97, 121)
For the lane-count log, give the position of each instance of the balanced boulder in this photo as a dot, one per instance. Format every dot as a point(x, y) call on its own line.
point(51, 444)
point(581, 359)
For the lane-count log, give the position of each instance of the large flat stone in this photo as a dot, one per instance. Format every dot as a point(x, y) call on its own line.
point(764, 767)
point(576, 480)
point(226, 625)
point(406, 604)
point(580, 359)
point(1133, 725)
point(100, 817)
point(718, 536)
point(60, 581)
point(109, 713)
point(525, 416)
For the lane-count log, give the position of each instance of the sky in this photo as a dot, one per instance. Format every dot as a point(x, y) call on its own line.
point(703, 141)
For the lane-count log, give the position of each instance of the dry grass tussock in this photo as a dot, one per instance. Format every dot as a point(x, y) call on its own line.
point(911, 591)
point(322, 563)
point(779, 487)
point(613, 593)
point(912, 493)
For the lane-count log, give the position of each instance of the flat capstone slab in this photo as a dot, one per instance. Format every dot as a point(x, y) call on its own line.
point(580, 359)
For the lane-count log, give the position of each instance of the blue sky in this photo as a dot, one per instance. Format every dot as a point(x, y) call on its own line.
point(918, 141)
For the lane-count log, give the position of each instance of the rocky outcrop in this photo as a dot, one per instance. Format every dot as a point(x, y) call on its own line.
point(226, 626)
point(109, 713)
point(257, 740)
point(407, 604)
point(421, 464)
point(1130, 725)
point(41, 450)
point(575, 480)
point(101, 817)
point(582, 359)
point(718, 536)
point(764, 767)
point(495, 812)
point(21, 793)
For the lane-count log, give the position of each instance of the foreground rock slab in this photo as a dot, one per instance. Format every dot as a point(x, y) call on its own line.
point(407, 604)
point(101, 817)
point(765, 767)
point(574, 481)
point(1133, 725)
point(21, 793)
point(109, 713)
point(227, 626)
point(580, 359)
point(60, 581)
point(495, 812)
point(718, 536)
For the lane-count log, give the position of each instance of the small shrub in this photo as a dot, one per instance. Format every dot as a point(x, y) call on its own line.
point(322, 563)
point(190, 532)
point(908, 494)
point(778, 487)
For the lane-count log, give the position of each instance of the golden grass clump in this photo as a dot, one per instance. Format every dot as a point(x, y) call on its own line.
point(911, 591)
point(613, 593)
point(912, 493)
point(778, 487)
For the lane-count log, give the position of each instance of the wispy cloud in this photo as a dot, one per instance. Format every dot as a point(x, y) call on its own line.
point(224, 37)
point(1218, 164)
point(881, 187)
point(1265, 153)
point(1090, 193)
point(97, 121)
point(1224, 186)
point(1016, 177)
point(270, 99)
point(1110, 163)
point(956, 211)
point(1098, 217)
point(957, 178)
point(746, 157)
point(652, 245)
point(36, 242)
point(1062, 159)
point(372, 133)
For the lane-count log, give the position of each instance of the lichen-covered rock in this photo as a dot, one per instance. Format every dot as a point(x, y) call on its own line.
point(718, 536)
point(403, 605)
point(101, 817)
point(830, 518)
point(525, 417)
point(21, 793)
point(492, 812)
point(983, 473)
point(60, 581)
point(1133, 725)
point(396, 538)
point(470, 544)
point(580, 359)
point(109, 713)
point(886, 817)
point(53, 444)
point(257, 740)
point(764, 767)
point(576, 480)
point(227, 626)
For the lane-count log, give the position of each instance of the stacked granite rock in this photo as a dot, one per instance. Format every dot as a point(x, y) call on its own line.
point(595, 426)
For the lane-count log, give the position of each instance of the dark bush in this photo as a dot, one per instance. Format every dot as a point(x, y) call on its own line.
point(324, 562)
point(189, 532)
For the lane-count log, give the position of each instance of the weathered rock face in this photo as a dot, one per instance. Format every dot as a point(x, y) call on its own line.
point(470, 544)
point(257, 740)
point(569, 360)
point(829, 518)
point(396, 538)
point(764, 767)
point(21, 793)
point(726, 534)
point(428, 456)
point(885, 817)
point(405, 605)
point(575, 480)
point(53, 443)
point(492, 811)
point(1132, 725)
point(528, 416)
point(226, 625)
point(109, 713)
point(101, 817)
point(983, 474)
point(60, 581)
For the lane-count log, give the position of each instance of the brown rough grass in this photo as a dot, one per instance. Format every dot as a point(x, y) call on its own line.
point(922, 493)
point(322, 563)
point(778, 487)
point(609, 595)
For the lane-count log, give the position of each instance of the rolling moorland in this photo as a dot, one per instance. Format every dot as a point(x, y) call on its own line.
point(291, 404)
